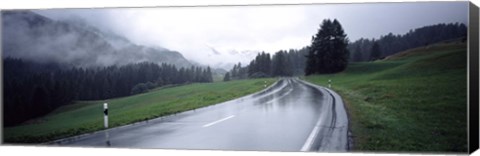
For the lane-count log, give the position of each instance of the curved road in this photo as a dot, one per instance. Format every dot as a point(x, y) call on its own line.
point(291, 115)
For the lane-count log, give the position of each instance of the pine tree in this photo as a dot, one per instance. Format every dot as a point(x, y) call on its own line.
point(209, 74)
point(226, 77)
point(281, 65)
point(234, 72)
point(376, 53)
point(312, 63)
point(328, 52)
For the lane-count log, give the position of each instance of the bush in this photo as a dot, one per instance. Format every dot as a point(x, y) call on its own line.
point(150, 85)
point(139, 88)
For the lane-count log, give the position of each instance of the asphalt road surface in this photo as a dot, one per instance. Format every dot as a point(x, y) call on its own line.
point(291, 115)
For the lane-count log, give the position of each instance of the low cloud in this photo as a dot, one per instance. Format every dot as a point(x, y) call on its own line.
point(257, 28)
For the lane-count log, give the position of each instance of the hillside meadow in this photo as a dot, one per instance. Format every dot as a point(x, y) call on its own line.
point(413, 101)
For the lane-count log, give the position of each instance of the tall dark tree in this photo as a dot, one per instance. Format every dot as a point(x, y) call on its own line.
point(311, 66)
point(209, 75)
point(234, 71)
point(265, 64)
point(281, 64)
point(376, 53)
point(328, 52)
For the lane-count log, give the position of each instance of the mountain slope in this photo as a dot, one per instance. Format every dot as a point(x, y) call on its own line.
point(33, 37)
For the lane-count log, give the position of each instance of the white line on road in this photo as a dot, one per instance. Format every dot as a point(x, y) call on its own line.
point(313, 135)
point(308, 144)
point(215, 122)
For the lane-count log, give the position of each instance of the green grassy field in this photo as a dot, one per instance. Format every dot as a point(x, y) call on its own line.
point(87, 116)
point(414, 101)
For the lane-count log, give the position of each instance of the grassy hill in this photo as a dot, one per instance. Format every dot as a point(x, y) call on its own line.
point(411, 101)
point(87, 116)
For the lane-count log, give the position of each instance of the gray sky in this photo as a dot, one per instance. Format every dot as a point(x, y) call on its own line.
point(212, 35)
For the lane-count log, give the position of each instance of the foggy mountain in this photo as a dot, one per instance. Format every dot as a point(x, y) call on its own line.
point(33, 37)
point(232, 58)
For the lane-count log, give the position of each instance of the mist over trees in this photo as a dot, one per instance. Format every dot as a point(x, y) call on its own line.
point(34, 89)
point(328, 52)
point(238, 72)
point(282, 63)
point(390, 44)
point(36, 38)
point(64, 62)
point(49, 63)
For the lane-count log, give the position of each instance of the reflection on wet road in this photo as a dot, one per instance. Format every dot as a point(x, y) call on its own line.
point(291, 115)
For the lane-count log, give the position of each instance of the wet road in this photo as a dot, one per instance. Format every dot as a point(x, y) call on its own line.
point(291, 115)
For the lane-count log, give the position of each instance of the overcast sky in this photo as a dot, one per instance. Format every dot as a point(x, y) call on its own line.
point(196, 31)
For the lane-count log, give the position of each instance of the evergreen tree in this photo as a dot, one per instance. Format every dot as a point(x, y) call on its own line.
point(375, 54)
point(311, 66)
point(209, 74)
point(234, 71)
point(251, 68)
point(328, 52)
point(281, 64)
point(226, 77)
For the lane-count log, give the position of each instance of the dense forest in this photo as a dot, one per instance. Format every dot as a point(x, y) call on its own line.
point(282, 63)
point(34, 89)
point(361, 50)
point(294, 62)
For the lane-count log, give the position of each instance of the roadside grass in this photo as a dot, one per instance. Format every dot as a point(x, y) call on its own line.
point(87, 116)
point(415, 102)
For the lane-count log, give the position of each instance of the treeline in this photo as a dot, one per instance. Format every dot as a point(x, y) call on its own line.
point(282, 63)
point(330, 51)
point(32, 89)
point(327, 53)
point(361, 50)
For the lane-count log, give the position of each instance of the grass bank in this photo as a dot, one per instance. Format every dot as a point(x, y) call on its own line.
point(414, 101)
point(87, 116)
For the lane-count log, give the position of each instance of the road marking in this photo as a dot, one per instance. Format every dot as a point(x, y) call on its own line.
point(313, 135)
point(215, 122)
point(308, 144)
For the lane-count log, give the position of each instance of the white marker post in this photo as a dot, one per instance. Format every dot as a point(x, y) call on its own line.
point(329, 83)
point(105, 113)
point(105, 117)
